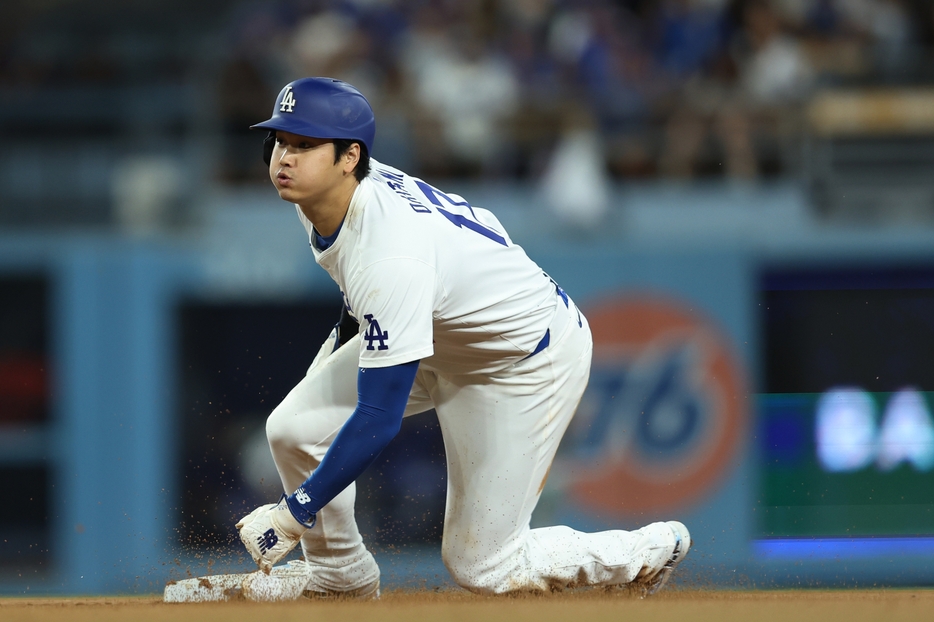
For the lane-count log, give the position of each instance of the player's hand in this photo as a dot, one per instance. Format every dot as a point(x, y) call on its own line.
point(269, 532)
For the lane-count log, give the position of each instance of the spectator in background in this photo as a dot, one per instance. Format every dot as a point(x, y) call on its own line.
point(468, 89)
point(690, 35)
point(575, 184)
point(776, 74)
point(355, 41)
point(707, 129)
point(331, 43)
point(543, 90)
point(882, 26)
point(854, 38)
point(774, 67)
point(609, 72)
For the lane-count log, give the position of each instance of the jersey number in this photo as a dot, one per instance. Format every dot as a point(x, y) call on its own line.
point(461, 220)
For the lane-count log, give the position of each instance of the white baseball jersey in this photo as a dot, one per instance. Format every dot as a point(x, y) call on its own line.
point(431, 278)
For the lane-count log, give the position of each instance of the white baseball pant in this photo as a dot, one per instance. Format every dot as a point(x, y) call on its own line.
point(500, 433)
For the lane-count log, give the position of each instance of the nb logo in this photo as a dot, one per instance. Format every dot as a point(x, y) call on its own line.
point(374, 333)
point(301, 496)
point(288, 101)
point(267, 541)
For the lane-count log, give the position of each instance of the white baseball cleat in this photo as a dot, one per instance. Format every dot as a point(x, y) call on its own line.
point(295, 580)
point(652, 584)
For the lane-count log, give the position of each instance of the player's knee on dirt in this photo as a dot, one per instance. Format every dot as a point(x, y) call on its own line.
point(483, 574)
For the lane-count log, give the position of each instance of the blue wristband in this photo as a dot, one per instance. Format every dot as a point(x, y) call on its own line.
point(299, 512)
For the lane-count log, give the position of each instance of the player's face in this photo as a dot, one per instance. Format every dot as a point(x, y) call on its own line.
point(303, 169)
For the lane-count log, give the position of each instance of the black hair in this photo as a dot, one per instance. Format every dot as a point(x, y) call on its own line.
point(268, 144)
point(341, 145)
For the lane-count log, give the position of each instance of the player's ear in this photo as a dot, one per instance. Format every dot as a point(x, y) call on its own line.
point(351, 157)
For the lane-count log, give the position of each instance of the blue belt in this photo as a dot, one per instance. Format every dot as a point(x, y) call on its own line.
point(567, 304)
point(547, 338)
point(541, 344)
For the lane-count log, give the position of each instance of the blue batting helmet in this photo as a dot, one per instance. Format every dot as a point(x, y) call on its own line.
point(323, 108)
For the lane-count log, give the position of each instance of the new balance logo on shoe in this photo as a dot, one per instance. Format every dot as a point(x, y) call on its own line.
point(267, 540)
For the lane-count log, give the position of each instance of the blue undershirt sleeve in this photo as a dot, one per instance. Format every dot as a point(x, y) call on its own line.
point(382, 394)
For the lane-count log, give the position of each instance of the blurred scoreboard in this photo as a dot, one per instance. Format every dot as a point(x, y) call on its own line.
point(845, 420)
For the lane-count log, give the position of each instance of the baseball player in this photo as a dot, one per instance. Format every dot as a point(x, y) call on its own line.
point(442, 311)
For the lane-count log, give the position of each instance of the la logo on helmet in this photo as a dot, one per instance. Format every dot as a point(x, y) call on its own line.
point(288, 101)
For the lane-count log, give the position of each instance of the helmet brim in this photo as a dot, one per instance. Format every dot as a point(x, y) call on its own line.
point(302, 129)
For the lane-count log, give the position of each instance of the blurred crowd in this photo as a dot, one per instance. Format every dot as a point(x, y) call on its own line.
point(501, 88)
point(505, 88)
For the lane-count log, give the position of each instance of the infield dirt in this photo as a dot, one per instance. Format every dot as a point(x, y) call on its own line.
point(455, 606)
